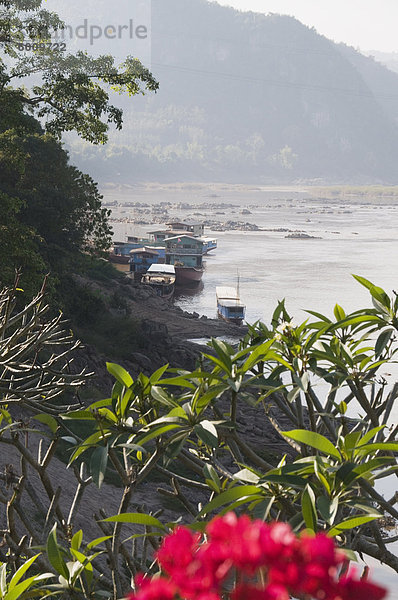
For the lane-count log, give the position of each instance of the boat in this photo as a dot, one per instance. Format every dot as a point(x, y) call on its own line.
point(209, 244)
point(162, 279)
point(185, 253)
point(186, 275)
point(229, 305)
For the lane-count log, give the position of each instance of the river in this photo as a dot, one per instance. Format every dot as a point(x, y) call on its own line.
point(350, 235)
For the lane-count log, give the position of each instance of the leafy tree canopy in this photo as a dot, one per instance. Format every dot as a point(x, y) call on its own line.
point(50, 211)
point(73, 91)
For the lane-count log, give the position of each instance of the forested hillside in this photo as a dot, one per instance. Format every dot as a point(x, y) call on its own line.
point(250, 97)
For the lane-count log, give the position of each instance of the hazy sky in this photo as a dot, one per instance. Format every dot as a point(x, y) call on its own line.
point(367, 24)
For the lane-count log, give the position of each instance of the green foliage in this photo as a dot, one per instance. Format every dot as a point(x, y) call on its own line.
point(184, 427)
point(329, 484)
point(14, 587)
point(73, 93)
point(50, 212)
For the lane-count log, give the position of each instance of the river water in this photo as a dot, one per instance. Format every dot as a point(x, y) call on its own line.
point(348, 236)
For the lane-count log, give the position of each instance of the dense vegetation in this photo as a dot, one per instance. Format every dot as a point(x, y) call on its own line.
point(51, 214)
point(316, 385)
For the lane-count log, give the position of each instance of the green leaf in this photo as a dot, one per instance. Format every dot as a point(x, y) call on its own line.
point(98, 463)
point(21, 572)
point(386, 446)
point(206, 431)
point(54, 554)
point(89, 442)
point(79, 415)
point(178, 381)
point(69, 439)
point(370, 435)
point(222, 350)
point(383, 340)
point(328, 508)
point(235, 493)
point(211, 474)
point(77, 539)
point(302, 382)
point(308, 508)
point(377, 292)
point(258, 354)
point(203, 400)
point(120, 374)
point(154, 378)
point(315, 440)
point(47, 420)
point(161, 396)
point(339, 313)
point(98, 541)
point(262, 509)
point(373, 465)
point(365, 282)
point(351, 554)
point(156, 432)
point(247, 476)
point(285, 479)
point(3, 579)
point(319, 316)
point(20, 588)
point(138, 519)
point(352, 523)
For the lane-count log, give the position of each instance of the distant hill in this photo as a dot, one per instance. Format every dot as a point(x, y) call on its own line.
point(388, 59)
point(249, 97)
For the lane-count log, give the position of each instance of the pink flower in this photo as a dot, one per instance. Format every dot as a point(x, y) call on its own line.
point(351, 589)
point(178, 550)
point(157, 588)
point(268, 560)
point(245, 591)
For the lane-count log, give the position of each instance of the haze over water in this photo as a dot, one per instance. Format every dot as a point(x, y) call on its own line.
point(356, 237)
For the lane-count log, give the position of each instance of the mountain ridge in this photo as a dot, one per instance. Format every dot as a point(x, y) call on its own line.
point(252, 97)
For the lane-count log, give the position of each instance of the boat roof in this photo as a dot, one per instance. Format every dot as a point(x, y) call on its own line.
point(160, 268)
point(227, 293)
point(144, 251)
point(231, 303)
point(190, 237)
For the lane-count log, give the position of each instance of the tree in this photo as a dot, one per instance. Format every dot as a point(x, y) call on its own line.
point(73, 90)
point(19, 246)
point(50, 211)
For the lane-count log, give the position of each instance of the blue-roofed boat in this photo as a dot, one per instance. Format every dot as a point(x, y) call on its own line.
point(209, 244)
point(229, 305)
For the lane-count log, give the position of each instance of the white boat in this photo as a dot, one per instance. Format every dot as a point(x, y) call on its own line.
point(161, 278)
point(229, 305)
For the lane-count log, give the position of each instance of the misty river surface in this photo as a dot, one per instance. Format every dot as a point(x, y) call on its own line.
point(348, 236)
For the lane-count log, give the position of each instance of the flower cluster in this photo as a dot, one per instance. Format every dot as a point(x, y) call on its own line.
point(251, 560)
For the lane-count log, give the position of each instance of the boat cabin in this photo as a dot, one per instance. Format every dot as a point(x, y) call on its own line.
point(184, 250)
point(142, 258)
point(229, 306)
point(197, 229)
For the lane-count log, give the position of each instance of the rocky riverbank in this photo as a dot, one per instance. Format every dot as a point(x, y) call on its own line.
point(164, 333)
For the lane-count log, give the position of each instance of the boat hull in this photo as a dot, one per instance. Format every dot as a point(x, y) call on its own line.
point(234, 320)
point(188, 275)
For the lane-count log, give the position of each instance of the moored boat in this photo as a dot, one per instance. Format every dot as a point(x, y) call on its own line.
point(188, 275)
point(185, 252)
point(161, 278)
point(229, 305)
point(209, 244)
